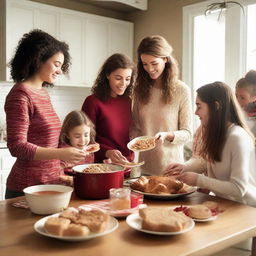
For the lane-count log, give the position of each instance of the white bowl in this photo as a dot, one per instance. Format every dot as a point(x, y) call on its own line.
point(48, 203)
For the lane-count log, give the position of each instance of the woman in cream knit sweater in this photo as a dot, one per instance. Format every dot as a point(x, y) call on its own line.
point(161, 106)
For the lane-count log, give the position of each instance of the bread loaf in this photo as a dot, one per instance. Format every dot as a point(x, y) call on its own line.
point(70, 214)
point(76, 230)
point(162, 219)
point(56, 226)
point(95, 220)
point(77, 222)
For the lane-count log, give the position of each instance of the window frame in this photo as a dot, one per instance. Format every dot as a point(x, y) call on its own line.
point(235, 42)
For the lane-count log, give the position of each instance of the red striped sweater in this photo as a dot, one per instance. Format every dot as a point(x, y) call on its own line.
point(31, 122)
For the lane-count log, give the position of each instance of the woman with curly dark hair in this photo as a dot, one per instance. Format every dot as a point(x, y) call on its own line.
point(33, 127)
point(162, 105)
point(109, 107)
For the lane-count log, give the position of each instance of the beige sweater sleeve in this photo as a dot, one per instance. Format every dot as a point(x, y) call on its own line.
point(135, 130)
point(185, 118)
point(195, 164)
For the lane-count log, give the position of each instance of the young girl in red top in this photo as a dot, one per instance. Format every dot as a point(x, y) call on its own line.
point(109, 108)
point(77, 131)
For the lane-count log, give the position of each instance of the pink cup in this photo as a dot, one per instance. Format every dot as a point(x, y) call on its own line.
point(136, 199)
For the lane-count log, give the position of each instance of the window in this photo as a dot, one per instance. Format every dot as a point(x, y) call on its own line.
point(218, 46)
point(208, 49)
point(251, 38)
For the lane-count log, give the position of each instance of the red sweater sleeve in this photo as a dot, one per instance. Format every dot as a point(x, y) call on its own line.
point(18, 108)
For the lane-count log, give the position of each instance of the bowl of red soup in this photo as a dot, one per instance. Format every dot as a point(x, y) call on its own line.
point(47, 199)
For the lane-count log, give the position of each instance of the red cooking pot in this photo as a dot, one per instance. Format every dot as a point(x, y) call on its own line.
point(96, 185)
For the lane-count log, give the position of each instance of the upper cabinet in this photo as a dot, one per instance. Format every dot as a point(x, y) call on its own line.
point(91, 38)
point(121, 5)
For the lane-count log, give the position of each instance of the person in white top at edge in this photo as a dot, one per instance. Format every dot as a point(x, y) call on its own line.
point(224, 160)
point(225, 163)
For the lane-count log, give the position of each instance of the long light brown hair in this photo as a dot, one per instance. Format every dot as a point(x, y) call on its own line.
point(223, 109)
point(156, 46)
point(73, 119)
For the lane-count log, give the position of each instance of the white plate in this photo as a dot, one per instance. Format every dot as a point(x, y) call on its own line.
point(206, 220)
point(165, 196)
point(129, 145)
point(104, 206)
point(122, 213)
point(134, 221)
point(214, 217)
point(39, 228)
point(132, 164)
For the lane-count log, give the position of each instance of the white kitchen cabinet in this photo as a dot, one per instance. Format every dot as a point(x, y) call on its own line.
point(15, 28)
point(138, 4)
point(103, 39)
point(47, 20)
point(6, 163)
point(91, 38)
point(72, 32)
point(96, 48)
point(120, 38)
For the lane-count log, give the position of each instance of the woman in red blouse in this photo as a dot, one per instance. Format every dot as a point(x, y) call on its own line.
point(109, 107)
point(33, 127)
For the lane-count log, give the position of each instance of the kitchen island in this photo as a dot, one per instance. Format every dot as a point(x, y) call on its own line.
point(235, 224)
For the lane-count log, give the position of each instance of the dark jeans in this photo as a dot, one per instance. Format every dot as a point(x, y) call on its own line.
point(11, 194)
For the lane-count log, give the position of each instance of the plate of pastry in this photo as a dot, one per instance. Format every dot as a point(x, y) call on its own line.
point(204, 212)
point(160, 221)
point(161, 187)
point(76, 225)
point(142, 143)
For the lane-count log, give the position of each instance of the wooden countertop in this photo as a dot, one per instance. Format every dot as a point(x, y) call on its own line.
point(235, 224)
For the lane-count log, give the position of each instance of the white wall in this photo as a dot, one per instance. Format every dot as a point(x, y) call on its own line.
point(64, 99)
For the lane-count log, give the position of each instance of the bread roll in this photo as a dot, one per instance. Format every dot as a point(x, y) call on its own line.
point(140, 184)
point(76, 230)
point(158, 188)
point(56, 226)
point(95, 220)
point(70, 214)
point(157, 185)
point(162, 219)
point(199, 212)
point(211, 205)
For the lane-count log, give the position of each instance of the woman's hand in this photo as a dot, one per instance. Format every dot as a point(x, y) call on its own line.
point(116, 156)
point(189, 178)
point(162, 136)
point(71, 155)
point(173, 169)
